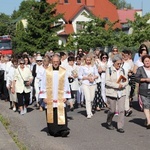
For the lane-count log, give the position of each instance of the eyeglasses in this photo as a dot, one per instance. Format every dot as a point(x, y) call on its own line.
point(21, 63)
point(39, 60)
point(119, 64)
point(115, 50)
point(104, 57)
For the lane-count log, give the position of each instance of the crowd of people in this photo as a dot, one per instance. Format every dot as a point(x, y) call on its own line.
point(94, 80)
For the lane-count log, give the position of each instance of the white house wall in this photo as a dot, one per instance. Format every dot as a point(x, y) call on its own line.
point(79, 18)
point(61, 20)
point(61, 41)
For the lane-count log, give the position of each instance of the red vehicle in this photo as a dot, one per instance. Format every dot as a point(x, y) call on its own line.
point(6, 45)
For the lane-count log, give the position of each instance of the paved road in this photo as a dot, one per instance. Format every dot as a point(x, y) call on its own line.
point(86, 134)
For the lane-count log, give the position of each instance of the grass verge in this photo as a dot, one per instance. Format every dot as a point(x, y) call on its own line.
point(6, 124)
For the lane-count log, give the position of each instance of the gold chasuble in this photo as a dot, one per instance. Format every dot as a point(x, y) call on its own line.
point(49, 89)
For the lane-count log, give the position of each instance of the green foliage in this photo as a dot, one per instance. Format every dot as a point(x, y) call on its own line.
point(71, 43)
point(41, 32)
point(4, 24)
point(96, 33)
point(141, 29)
point(121, 4)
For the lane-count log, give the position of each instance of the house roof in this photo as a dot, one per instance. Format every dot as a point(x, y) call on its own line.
point(68, 29)
point(100, 8)
point(126, 14)
point(79, 11)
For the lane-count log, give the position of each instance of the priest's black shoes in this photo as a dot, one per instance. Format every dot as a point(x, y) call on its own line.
point(48, 134)
point(65, 133)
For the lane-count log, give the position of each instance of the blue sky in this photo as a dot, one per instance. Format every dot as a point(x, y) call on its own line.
point(140, 4)
point(7, 6)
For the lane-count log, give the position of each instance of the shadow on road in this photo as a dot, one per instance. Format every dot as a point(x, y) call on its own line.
point(44, 130)
point(136, 106)
point(70, 118)
point(105, 124)
point(30, 109)
point(83, 112)
point(138, 121)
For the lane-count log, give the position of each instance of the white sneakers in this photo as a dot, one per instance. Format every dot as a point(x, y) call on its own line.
point(14, 108)
point(89, 116)
point(24, 111)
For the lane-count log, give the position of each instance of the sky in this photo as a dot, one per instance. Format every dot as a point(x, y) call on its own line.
point(8, 6)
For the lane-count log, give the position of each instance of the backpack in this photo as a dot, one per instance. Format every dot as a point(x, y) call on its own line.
point(111, 71)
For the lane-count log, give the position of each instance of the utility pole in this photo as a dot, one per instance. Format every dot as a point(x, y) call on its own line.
point(142, 7)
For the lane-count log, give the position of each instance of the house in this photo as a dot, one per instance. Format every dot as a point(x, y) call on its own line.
point(75, 12)
point(125, 15)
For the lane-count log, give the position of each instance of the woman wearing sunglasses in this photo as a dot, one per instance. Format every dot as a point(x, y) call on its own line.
point(21, 85)
point(103, 67)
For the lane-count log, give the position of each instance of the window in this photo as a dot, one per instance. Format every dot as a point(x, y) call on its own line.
point(5, 44)
point(65, 1)
point(79, 26)
point(106, 18)
point(78, 1)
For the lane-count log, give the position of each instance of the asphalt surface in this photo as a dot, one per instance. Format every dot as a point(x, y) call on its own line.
point(86, 134)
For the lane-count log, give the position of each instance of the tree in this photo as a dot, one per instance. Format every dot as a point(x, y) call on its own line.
point(41, 32)
point(4, 24)
point(121, 4)
point(141, 29)
point(96, 33)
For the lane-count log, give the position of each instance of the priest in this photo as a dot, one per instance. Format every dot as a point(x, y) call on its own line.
point(55, 90)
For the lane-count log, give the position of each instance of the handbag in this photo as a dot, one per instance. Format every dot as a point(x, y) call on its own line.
point(25, 82)
point(1, 74)
point(70, 79)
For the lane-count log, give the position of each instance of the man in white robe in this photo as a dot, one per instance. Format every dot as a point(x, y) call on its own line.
point(54, 90)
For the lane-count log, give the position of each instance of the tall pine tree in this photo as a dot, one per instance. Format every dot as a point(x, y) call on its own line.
point(41, 31)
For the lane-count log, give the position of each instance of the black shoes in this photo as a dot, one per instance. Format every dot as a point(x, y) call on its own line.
point(148, 126)
point(120, 130)
point(59, 134)
point(65, 133)
point(72, 109)
point(110, 126)
point(48, 134)
point(128, 113)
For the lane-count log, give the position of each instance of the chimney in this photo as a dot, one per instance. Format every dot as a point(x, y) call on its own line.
point(90, 3)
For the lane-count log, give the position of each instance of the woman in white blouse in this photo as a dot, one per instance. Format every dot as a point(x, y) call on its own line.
point(22, 89)
point(9, 81)
point(102, 69)
point(88, 73)
point(72, 73)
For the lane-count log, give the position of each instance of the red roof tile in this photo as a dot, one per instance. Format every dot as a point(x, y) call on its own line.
point(125, 15)
point(100, 8)
point(68, 29)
